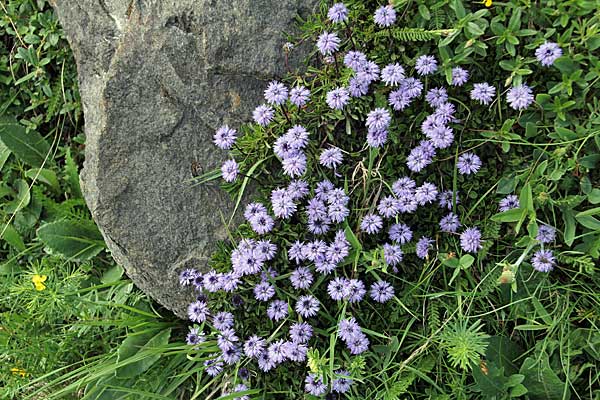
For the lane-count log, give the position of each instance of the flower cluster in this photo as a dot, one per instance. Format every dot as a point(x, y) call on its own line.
point(300, 261)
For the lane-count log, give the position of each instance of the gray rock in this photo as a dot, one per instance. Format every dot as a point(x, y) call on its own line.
point(157, 78)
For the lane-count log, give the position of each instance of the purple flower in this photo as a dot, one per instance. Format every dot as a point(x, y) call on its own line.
point(187, 276)
point(509, 202)
point(392, 74)
point(520, 97)
point(331, 158)
point(294, 166)
point(254, 346)
point(263, 291)
point(194, 337)
point(460, 76)
point(263, 115)
point(301, 278)
point(253, 209)
point(295, 351)
point(356, 290)
point(225, 137)
point(338, 13)
point(468, 163)
point(392, 253)
point(307, 306)
point(445, 112)
point(276, 93)
point(264, 362)
point(241, 388)
point(400, 233)
point(301, 332)
point(426, 65)
point(338, 288)
point(226, 339)
point(297, 137)
point(278, 309)
point(357, 88)
point(282, 203)
point(450, 223)
point(371, 223)
point(355, 60)
point(337, 98)
point(388, 207)
point(418, 159)
point(404, 186)
point(385, 16)
point(275, 351)
point(298, 189)
point(547, 53)
point(423, 246)
point(348, 328)
point(426, 193)
point(328, 43)
point(546, 234)
point(399, 99)
point(378, 119)
point(342, 382)
point(223, 320)
point(381, 291)
point(198, 311)
point(212, 281)
point(262, 223)
point(470, 240)
point(231, 355)
point(358, 344)
point(229, 170)
point(543, 261)
point(436, 97)
point(446, 199)
point(265, 250)
point(314, 385)
point(377, 138)
point(483, 93)
point(412, 87)
point(214, 367)
point(299, 96)
point(368, 72)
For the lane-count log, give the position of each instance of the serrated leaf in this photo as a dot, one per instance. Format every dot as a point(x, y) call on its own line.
point(77, 240)
point(30, 147)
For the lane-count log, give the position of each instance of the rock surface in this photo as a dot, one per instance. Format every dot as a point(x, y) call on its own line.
point(157, 78)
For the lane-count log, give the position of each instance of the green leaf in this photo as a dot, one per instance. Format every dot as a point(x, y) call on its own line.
point(78, 240)
point(30, 147)
point(112, 275)
point(72, 174)
point(513, 215)
point(466, 261)
point(504, 352)
point(22, 198)
point(507, 185)
point(541, 381)
point(148, 353)
point(589, 222)
point(569, 220)
point(46, 176)
point(12, 237)
point(594, 196)
point(4, 154)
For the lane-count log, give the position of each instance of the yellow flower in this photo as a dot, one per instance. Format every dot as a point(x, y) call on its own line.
point(18, 371)
point(488, 3)
point(38, 281)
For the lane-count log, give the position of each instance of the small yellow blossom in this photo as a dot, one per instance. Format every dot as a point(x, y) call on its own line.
point(38, 281)
point(488, 3)
point(18, 371)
